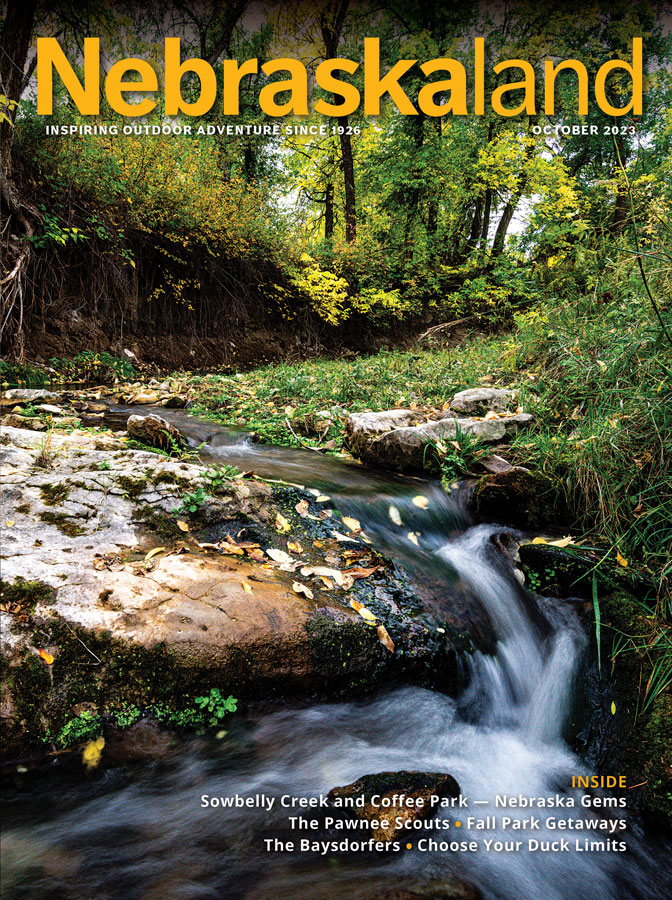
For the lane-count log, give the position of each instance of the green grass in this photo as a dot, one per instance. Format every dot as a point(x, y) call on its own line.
point(597, 378)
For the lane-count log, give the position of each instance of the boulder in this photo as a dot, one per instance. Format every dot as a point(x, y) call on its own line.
point(427, 789)
point(145, 398)
point(32, 423)
point(517, 497)
point(409, 448)
point(154, 431)
point(174, 402)
point(67, 422)
point(363, 428)
point(477, 401)
point(29, 395)
point(50, 409)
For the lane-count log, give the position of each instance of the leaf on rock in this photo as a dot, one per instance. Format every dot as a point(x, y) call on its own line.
point(352, 524)
point(384, 638)
point(92, 752)
point(281, 523)
point(367, 615)
point(182, 525)
point(413, 537)
point(302, 508)
point(343, 537)
point(539, 540)
point(322, 498)
point(279, 555)
point(247, 587)
point(256, 553)
point(563, 542)
point(153, 553)
point(342, 579)
point(362, 573)
point(47, 657)
point(302, 589)
point(421, 502)
point(228, 545)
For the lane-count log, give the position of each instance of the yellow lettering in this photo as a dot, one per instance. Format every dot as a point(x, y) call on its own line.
point(456, 85)
point(527, 85)
point(49, 57)
point(175, 69)
point(349, 93)
point(297, 84)
point(637, 76)
point(550, 71)
point(375, 86)
point(232, 75)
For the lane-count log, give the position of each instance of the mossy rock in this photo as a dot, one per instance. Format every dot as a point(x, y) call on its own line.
point(517, 497)
point(638, 736)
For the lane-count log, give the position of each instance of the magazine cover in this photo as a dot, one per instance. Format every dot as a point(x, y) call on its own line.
point(336, 450)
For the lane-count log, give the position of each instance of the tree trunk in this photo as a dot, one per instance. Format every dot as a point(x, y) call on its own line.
point(348, 182)
point(476, 223)
point(14, 45)
point(331, 25)
point(329, 212)
point(514, 199)
point(485, 227)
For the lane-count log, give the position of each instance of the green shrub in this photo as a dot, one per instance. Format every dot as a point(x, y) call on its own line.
point(91, 366)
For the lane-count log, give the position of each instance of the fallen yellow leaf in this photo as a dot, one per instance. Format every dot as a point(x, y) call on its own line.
point(182, 525)
point(563, 542)
point(294, 547)
point(279, 555)
point(302, 589)
point(413, 537)
point(47, 657)
point(384, 638)
point(621, 560)
point(343, 537)
point(539, 540)
point(281, 523)
point(394, 514)
point(247, 587)
point(368, 616)
point(153, 553)
point(420, 501)
point(352, 524)
point(92, 752)
point(613, 708)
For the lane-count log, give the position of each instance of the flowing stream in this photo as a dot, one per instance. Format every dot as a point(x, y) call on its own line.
point(142, 834)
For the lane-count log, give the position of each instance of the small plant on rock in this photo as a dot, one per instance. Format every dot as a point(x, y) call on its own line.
point(191, 503)
point(216, 705)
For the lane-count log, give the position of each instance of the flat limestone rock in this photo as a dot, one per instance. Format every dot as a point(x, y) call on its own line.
point(32, 423)
point(29, 395)
point(476, 401)
point(81, 584)
point(362, 428)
